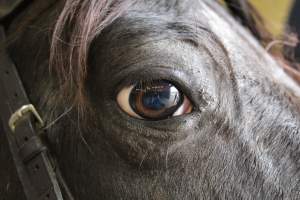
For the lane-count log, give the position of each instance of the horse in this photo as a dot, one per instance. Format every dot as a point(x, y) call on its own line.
point(155, 99)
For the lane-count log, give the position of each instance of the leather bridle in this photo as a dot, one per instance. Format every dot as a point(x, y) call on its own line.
point(22, 125)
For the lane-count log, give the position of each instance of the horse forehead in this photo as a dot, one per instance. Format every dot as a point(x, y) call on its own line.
point(176, 7)
point(245, 53)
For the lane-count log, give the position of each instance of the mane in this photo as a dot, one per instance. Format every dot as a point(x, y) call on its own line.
point(78, 24)
point(82, 20)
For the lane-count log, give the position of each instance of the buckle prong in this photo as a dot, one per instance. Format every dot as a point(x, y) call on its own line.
point(21, 113)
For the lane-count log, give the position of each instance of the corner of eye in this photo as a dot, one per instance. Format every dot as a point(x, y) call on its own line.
point(123, 101)
point(185, 108)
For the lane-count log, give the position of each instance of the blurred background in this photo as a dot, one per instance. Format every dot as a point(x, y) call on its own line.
point(275, 13)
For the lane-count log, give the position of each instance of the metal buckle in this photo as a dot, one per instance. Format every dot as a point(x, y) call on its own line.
point(21, 113)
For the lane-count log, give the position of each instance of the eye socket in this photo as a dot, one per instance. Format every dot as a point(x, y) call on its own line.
point(153, 100)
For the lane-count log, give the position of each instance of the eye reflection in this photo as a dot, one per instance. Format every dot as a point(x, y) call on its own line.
point(153, 100)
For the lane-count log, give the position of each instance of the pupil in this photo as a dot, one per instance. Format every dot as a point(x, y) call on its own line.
point(155, 100)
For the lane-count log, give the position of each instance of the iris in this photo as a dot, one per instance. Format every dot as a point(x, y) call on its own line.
point(155, 100)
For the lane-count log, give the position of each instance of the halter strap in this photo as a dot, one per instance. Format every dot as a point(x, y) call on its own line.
point(7, 7)
point(19, 117)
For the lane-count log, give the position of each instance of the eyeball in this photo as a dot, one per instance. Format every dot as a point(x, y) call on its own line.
point(153, 100)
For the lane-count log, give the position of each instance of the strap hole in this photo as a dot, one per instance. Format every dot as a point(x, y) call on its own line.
point(36, 167)
point(47, 196)
point(26, 138)
point(16, 95)
point(6, 72)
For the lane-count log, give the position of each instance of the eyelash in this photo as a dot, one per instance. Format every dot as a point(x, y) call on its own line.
point(132, 80)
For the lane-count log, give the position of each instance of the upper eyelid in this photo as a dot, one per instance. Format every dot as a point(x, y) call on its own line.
point(137, 68)
point(158, 72)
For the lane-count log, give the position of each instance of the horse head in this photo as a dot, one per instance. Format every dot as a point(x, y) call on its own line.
point(157, 100)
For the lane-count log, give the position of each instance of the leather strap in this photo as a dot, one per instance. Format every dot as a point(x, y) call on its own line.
point(8, 6)
point(30, 155)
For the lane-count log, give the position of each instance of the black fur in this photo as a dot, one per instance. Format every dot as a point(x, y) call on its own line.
point(242, 141)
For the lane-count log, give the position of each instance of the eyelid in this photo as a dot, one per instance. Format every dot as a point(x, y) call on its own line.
point(132, 75)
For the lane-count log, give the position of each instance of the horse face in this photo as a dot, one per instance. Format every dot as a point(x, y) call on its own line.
point(237, 136)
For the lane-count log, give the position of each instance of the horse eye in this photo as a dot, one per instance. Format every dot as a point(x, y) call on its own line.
point(153, 100)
